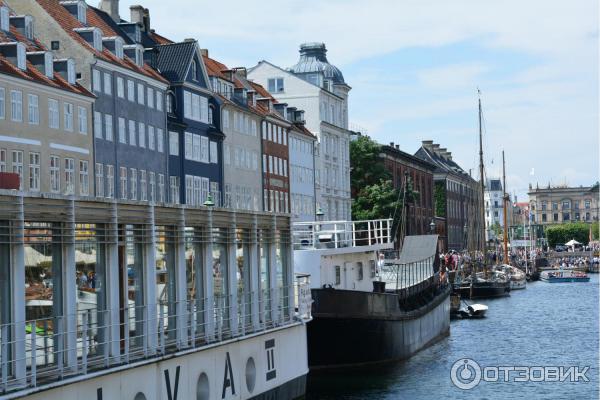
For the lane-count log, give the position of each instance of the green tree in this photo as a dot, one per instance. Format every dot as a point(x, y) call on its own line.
point(367, 167)
point(595, 231)
point(439, 194)
point(561, 234)
point(376, 201)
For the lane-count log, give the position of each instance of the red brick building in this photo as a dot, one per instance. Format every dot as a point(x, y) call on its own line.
point(420, 173)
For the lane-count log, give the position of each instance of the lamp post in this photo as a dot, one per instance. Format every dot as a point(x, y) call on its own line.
point(432, 226)
point(209, 201)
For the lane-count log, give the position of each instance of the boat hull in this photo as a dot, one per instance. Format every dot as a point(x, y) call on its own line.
point(354, 329)
point(566, 279)
point(484, 291)
point(517, 285)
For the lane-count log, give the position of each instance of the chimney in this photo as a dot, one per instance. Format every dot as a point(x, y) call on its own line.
point(136, 13)
point(189, 40)
point(435, 148)
point(204, 52)
point(397, 147)
point(449, 155)
point(251, 97)
point(392, 144)
point(427, 144)
point(111, 7)
point(241, 71)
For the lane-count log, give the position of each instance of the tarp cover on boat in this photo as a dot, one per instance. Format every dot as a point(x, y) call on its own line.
point(418, 248)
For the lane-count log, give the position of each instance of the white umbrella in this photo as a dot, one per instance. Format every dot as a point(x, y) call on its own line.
point(572, 242)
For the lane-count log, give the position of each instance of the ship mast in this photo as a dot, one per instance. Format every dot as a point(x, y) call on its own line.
point(482, 177)
point(504, 200)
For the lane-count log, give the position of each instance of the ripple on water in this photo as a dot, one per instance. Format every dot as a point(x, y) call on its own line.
point(543, 325)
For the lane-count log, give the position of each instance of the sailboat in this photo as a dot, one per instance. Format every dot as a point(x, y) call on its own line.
point(516, 277)
point(488, 283)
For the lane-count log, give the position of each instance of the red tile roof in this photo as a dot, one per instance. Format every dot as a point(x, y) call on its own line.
point(32, 73)
point(158, 38)
point(68, 22)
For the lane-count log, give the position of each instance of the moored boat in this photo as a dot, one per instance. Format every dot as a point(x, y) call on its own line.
point(364, 311)
point(496, 285)
point(562, 276)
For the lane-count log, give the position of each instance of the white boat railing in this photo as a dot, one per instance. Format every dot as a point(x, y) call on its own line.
point(339, 234)
point(60, 347)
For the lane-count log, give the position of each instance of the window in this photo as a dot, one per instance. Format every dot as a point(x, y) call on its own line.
point(544, 218)
point(33, 108)
point(275, 85)
point(587, 204)
point(133, 183)
point(195, 107)
point(189, 190)
point(152, 184)
point(174, 189)
point(204, 149)
point(97, 124)
point(84, 183)
point(254, 129)
point(132, 139)
point(204, 190)
point(173, 143)
point(108, 127)
point(54, 174)
point(143, 186)
point(131, 90)
point(544, 205)
point(372, 268)
point(99, 180)
point(142, 135)
point(566, 216)
point(160, 140)
point(338, 275)
point(194, 71)
point(16, 105)
point(159, 101)
point(34, 172)
point(96, 81)
point(170, 103)
point(123, 180)
point(189, 146)
point(555, 217)
point(214, 154)
point(225, 119)
point(17, 165)
point(69, 176)
point(2, 160)
point(187, 104)
point(140, 93)
point(554, 206)
point(120, 87)
point(566, 205)
point(151, 138)
point(150, 97)
point(122, 134)
point(2, 103)
point(53, 116)
point(82, 118)
point(68, 116)
point(107, 83)
point(110, 181)
point(161, 188)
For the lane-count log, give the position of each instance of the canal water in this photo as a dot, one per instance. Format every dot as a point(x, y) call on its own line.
point(544, 325)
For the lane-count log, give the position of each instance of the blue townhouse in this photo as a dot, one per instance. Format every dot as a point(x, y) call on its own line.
point(195, 142)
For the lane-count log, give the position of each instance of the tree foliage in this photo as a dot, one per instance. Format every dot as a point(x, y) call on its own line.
point(376, 201)
point(561, 234)
point(367, 167)
point(439, 194)
point(595, 231)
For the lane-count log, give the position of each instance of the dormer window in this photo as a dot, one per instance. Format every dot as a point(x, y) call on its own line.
point(114, 45)
point(92, 35)
point(194, 71)
point(97, 41)
point(71, 74)
point(23, 24)
point(77, 8)
point(4, 19)
point(82, 12)
point(49, 64)
point(21, 57)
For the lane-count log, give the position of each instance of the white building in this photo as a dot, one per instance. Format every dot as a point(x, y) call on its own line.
point(302, 168)
point(319, 88)
point(494, 211)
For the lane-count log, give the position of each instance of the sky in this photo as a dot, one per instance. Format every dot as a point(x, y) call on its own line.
point(415, 66)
